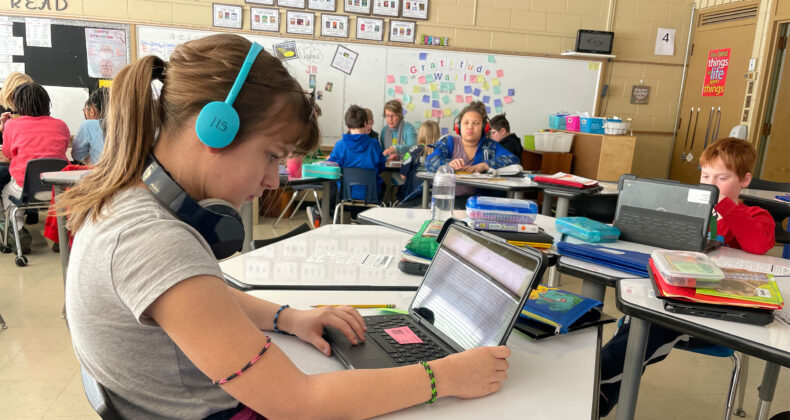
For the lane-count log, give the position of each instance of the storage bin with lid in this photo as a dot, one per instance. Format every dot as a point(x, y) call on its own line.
point(687, 269)
point(587, 230)
point(553, 142)
point(497, 209)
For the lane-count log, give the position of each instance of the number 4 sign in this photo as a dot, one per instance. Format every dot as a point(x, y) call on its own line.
point(665, 42)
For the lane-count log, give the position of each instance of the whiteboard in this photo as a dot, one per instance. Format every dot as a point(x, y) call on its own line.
point(67, 104)
point(528, 89)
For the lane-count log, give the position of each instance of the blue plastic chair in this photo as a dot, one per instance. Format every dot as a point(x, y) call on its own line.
point(358, 188)
point(739, 368)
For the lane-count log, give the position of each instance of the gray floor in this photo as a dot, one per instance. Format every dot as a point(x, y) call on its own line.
point(39, 375)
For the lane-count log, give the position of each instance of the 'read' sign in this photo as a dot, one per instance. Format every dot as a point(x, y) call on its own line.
point(716, 72)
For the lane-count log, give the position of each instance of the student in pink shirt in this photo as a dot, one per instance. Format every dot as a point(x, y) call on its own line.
point(33, 135)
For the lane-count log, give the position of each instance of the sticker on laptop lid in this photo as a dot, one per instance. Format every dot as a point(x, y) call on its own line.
point(698, 196)
point(403, 335)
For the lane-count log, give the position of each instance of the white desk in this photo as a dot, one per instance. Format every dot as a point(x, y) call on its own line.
point(405, 220)
point(771, 343)
point(514, 187)
point(304, 261)
point(554, 378)
point(763, 195)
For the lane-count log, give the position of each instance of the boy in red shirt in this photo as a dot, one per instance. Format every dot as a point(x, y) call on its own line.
point(727, 164)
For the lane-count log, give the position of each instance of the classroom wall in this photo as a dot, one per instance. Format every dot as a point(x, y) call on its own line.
point(520, 26)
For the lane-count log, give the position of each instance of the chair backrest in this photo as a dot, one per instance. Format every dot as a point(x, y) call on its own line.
point(761, 184)
point(33, 184)
point(260, 243)
point(97, 397)
point(359, 184)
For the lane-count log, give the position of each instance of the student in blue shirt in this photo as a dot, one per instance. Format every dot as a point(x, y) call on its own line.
point(89, 140)
point(357, 149)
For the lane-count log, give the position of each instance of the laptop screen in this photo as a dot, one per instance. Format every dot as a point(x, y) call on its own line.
point(474, 288)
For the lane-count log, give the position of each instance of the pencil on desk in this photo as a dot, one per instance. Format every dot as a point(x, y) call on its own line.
point(388, 305)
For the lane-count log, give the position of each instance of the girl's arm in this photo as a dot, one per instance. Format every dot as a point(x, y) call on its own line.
point(441, 155)
point(209, 324)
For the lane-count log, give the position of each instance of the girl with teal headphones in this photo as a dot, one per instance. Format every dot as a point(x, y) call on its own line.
point(150, 316)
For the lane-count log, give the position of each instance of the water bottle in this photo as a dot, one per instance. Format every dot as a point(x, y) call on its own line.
point(443, 198)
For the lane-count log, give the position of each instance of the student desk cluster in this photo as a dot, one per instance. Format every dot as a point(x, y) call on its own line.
point(635, 297)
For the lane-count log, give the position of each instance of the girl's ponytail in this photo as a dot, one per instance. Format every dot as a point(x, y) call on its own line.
point(132, 120)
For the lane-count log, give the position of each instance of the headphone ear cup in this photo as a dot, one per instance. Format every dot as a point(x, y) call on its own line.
point(487, 129)
point(457, 128)
point(227, 227)
point(217, 124)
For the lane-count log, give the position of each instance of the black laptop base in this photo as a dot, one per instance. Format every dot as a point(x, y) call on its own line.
point(724, 313)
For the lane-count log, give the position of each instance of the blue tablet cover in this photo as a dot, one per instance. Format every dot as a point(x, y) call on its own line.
point(629, 261)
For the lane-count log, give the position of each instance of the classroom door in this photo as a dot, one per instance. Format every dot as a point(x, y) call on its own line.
point(714, 86)
point(774, 154)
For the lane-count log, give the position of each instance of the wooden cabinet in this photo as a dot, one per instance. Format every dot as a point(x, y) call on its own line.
point(602, 157)
point(546, 162)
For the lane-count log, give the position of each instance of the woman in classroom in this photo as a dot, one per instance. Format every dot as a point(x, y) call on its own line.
point(397, 135)
point(173, 340)
point(469, 149)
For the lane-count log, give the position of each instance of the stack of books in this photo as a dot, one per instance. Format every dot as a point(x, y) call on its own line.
point(691, 283)
point(508, 218)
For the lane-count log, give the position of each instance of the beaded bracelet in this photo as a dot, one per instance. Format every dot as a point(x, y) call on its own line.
point(433, 382)
point(247, 366)
point(277, 317)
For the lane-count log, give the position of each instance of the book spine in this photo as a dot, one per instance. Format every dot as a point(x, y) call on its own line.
point(506, 227)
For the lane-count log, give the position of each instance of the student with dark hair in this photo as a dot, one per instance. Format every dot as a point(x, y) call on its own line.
point(150, 316)
point(89, 141)
point(500, 133)
point(357, 149)
point(372, 133)
point(33, 135)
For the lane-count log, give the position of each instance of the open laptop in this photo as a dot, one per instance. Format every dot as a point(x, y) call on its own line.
point(470, 296)
point(665, 214)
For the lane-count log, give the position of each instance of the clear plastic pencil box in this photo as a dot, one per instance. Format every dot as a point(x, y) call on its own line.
point(687, 269)
point(587, 230)
point(497, 209)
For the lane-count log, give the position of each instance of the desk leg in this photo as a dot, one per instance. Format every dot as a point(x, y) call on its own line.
point(562, 206)
point(326, 201)
point(518, 195)
point(632, 369)
point(766, 390)
point(546, 211)
point(426, 190)
point(246, 219)
point(593, 290)
point(63, 243)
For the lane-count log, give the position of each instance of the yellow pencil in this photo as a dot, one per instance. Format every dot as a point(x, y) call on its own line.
point(388, 305)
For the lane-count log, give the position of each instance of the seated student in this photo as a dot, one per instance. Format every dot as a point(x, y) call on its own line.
point(427, 134)
point(727, 164)
point(34, 135)
point(469, 149)
point(369, 126)
point(11, 82)
point(173, 340)
point(500, 133)
point(358, 149)
point(89, 141)
point(397, 135)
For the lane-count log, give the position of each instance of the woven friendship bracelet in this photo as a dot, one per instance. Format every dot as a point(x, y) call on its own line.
point(277, 317)
point(247, 366)
point(433, 382)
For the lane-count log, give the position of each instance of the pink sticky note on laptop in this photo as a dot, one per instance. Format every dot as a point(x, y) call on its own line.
point(403, 335)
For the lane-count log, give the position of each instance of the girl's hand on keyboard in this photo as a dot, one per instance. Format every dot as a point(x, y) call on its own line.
point(309, 325)
point(473, 373)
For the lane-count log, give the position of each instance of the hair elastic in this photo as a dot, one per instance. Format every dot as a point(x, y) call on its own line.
point(277, 317)
point(433, 382)
point(247, 366)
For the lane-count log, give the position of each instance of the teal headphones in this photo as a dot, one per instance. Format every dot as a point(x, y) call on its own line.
point(218, 123)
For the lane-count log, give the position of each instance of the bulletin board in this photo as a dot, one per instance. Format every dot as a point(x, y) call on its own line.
point(63, 64)
point(431, 83)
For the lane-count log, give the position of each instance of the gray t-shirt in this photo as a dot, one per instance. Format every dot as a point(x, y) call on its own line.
point(118, 267)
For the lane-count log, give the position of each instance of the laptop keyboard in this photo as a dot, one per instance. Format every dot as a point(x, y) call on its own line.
point(402, 354)
point(658, 228)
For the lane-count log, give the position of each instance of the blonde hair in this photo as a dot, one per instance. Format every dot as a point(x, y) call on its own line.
point(14, 80)
point(199, 72)
point(428, 133)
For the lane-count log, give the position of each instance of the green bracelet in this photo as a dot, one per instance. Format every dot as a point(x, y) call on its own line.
point(433, 382)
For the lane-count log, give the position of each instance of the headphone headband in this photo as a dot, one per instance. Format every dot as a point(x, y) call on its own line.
point(255, 49)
